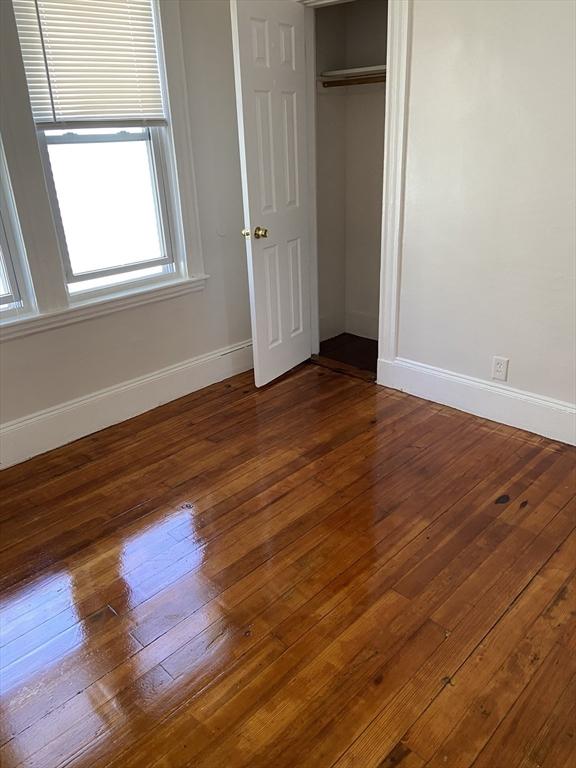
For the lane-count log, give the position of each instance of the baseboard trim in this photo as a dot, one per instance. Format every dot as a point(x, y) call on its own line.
point(42, 431)
point(535, 413)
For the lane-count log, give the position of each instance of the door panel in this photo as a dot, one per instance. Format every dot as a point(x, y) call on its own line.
point(273, 300)
point(289, 140)
point(294, 252)
point(269, 65)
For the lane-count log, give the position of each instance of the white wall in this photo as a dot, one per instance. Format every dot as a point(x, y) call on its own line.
point(364, 154)
point(366, 24)
point(488, 256)
point(46, 369)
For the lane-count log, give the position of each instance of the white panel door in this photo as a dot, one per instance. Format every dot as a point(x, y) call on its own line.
point(269, 65)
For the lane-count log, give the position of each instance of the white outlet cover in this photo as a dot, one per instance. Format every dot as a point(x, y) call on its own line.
point(500, 368)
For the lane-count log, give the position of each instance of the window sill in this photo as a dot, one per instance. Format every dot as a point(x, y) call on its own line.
point(85, 310)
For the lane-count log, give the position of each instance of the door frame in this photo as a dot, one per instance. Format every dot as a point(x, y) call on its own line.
point(398, 51)
point(310, 56)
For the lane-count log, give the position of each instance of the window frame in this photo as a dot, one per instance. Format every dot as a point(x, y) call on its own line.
point(7, 268)
point(15, 263)
point(165, 220)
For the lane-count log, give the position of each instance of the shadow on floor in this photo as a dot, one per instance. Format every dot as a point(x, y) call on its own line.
point(352, 350)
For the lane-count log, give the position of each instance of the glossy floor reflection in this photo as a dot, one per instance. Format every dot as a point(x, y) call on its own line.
point(319, 573)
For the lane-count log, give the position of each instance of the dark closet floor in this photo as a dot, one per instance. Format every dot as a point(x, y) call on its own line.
point(353, 350)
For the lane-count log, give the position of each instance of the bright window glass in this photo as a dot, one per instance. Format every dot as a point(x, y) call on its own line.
point(107, 198)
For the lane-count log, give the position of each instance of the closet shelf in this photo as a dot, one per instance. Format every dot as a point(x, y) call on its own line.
point(353, 76)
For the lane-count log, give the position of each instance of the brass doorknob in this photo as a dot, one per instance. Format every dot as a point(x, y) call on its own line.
point(260, 232)
point(246, 233)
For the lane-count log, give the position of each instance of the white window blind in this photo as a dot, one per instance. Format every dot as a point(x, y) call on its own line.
point(91, 62)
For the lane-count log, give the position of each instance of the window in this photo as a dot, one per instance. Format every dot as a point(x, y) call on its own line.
point(113, 227)
point(9, 293)
point(14, 280)
point(95, 83)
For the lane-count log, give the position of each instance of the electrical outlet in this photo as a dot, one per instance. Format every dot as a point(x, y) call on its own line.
point(500, 368)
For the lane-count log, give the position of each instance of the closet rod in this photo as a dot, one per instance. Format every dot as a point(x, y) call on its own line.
point(354, 81)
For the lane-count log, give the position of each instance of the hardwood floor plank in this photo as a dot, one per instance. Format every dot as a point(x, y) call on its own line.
point(335, 653)
point(435, 675)
point(517, 733)
point(554, 744)
point(325, 743)
point(41, 691)
point(319, 573)
point(478, 670)
point(151, 550)
point(490, 698)
point(251, 758)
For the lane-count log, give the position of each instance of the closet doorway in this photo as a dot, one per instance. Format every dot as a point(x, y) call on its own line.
point(350, 73)
point(310, 90)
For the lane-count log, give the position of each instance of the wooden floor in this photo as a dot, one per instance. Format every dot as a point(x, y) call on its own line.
point(352, 350)
point(319, 573)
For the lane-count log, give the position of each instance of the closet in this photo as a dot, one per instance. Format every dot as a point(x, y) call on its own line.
point(350, 106)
